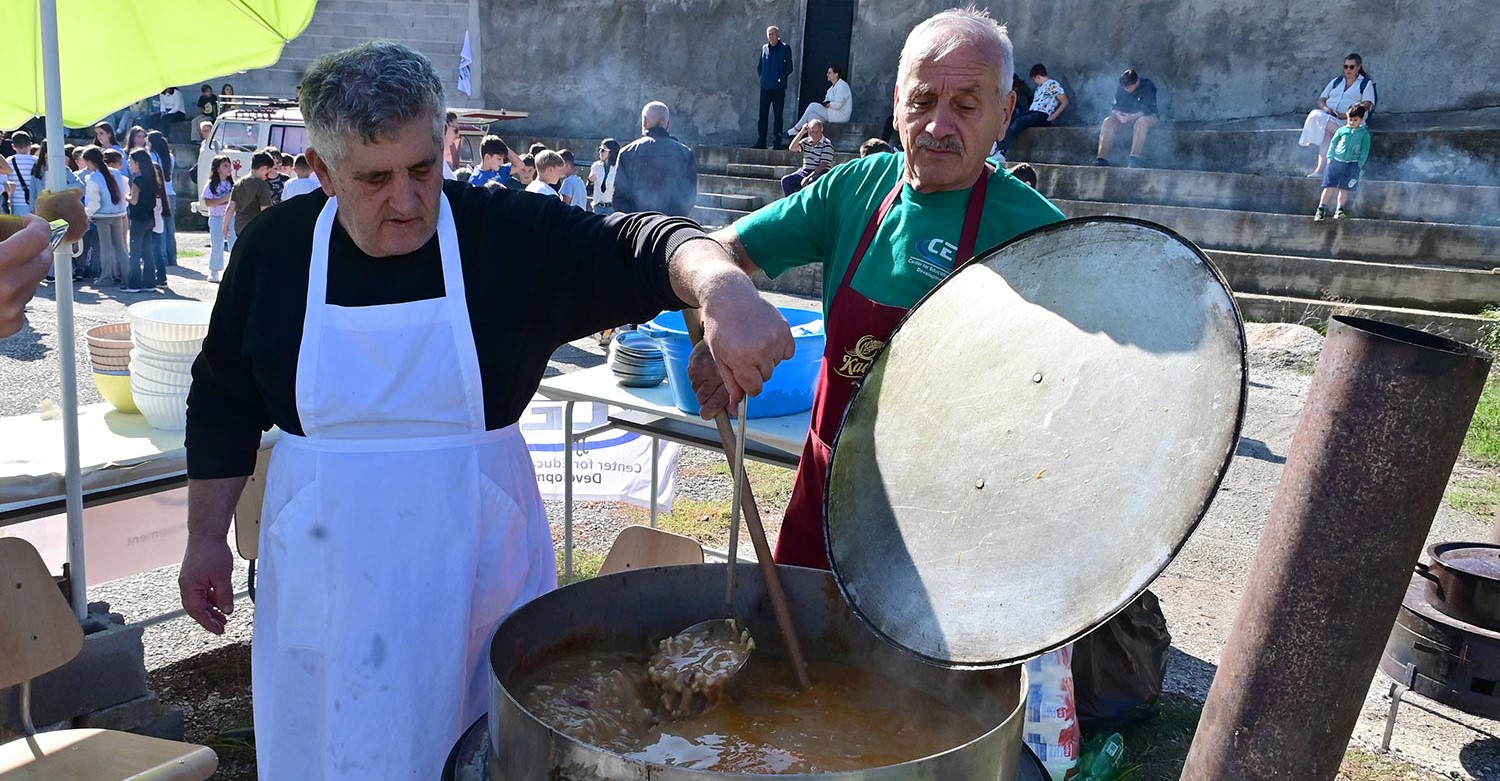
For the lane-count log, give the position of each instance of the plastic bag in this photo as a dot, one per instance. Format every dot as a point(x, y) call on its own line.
point(1051, 729)
point(1118, 668)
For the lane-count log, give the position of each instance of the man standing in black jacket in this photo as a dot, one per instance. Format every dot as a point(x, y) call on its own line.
point(657, 172)
point(774, 67)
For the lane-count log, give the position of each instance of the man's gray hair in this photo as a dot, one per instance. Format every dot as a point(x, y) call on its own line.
point(655, 114)
point(369, 93)
point(951, 30)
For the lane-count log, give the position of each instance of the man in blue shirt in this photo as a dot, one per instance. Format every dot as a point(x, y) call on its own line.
point(774, 67)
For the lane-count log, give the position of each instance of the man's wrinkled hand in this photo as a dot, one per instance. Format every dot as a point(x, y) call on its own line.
point(65, 205)
point(204, 582)
point(708, 385)
point(747, 338)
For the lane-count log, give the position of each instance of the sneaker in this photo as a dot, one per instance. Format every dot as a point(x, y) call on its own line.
point(1101, 162)
point(1341, 214)
point(1315, 175)
point(1320, 215)
point(791, 131)
point(213, 276)
point(130, 290)
point(1134, 162)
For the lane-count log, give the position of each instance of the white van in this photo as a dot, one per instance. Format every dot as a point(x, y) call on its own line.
point(247, 123)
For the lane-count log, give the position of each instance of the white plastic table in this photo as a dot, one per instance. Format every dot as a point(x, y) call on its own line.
point(122, 459)
point(785, 434)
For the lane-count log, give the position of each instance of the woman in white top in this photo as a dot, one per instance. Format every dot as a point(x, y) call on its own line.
point(837, 105)
point(602, 176)
point(105, 203)
point(1341, 94)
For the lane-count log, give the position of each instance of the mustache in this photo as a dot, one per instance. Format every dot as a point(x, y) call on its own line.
point(945, 144)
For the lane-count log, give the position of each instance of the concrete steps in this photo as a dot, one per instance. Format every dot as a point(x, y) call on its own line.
point(759, 170)
point(730, 201)
point(1383, 241)
point(1462, 291)
point(715, 217)
point(767, 190)
point(1287, 309)
point(1406, 201)
point(1439, 156)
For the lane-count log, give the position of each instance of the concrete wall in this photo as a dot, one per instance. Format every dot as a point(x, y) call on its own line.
point(1213, 59)
point(433, 27)
point(585, 67)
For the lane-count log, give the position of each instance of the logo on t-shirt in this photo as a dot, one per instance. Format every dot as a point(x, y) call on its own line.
point(933, 258)
point(858, 359)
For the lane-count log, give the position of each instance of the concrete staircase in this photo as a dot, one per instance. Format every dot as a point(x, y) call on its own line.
point(1418, 252)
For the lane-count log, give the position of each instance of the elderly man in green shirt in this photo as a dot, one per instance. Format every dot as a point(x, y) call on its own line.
point(888, 228)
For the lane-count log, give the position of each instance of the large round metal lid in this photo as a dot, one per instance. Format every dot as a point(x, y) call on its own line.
point(1036, 441)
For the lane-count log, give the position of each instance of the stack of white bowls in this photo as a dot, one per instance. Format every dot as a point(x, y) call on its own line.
point(167, 336)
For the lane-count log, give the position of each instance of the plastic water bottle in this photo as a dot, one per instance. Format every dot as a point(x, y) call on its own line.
point(1051, 730)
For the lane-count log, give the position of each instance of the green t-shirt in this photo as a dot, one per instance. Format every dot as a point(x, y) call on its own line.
point(913, 250)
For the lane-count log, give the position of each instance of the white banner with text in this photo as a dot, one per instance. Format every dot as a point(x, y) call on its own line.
point(611, 466)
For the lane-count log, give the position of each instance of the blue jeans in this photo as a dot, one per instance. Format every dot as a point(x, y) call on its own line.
point(216, 243)
point(169, 239)
point(158, 272)
point(142, 252)
point(603, 209)
point(1023, 121)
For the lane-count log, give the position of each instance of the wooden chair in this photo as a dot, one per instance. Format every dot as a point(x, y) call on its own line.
point(247, 515)
point(38, 634)
point(638, 547)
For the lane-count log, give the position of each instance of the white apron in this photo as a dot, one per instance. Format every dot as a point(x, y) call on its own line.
point(397, 534)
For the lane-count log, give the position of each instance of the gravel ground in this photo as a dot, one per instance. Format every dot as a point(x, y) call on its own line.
point(208, 676)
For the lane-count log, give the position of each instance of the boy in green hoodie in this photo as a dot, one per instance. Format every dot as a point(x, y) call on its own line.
point(1347, 153)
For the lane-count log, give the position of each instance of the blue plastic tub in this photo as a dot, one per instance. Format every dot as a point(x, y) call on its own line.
point(790, 389)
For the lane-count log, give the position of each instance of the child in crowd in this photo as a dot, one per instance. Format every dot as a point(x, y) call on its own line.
point(250, 196)
point(1025, 173)
point(104, 202)
point(274, 179)
point(1347, 154)
point(492, 166)
point(522, 175)
point(216, 195)
point(140, 268)
point(572, 190)
point(873, 146)
point(550, 168)
point(306, 180)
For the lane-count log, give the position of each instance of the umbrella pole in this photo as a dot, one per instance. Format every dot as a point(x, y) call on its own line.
point(62, 271)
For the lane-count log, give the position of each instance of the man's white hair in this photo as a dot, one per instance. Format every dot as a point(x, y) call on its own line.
point(655, 114)
point(951, 30)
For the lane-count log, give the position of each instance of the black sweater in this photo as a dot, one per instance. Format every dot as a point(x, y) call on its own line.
point(537, 273)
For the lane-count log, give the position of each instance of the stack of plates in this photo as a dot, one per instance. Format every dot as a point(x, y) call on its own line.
point(109, 352)
point(167, 337)
point(636, 360)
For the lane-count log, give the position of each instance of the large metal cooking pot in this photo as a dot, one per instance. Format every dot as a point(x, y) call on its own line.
point(633, 609)
point(1032, 446)
point(1463, 580)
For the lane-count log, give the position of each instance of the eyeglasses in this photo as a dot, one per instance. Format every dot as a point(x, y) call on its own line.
point(1351, 67)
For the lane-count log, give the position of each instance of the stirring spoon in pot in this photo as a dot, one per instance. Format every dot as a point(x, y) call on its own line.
point(734, 451)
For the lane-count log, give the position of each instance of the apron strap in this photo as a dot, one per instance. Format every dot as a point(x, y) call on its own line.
point(973, 213)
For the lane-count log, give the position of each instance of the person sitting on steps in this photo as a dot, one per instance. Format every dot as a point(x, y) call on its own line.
point(1135, 108)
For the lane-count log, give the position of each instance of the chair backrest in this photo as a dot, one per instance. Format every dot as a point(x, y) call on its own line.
point(38, 631)
point(637, 547)
point(247, 510)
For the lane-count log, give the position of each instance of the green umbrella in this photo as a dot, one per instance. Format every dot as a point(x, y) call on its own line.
point(93, 59)
point(115, 53)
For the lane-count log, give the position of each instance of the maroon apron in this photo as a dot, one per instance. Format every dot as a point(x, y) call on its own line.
point(856, 329)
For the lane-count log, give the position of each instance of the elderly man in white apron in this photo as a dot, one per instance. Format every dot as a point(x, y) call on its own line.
point(402, 520)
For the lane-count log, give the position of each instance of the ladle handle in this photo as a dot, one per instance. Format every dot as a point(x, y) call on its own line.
point(768, 569)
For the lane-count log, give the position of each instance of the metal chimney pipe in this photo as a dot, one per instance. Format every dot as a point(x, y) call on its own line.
point(1383, 424)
